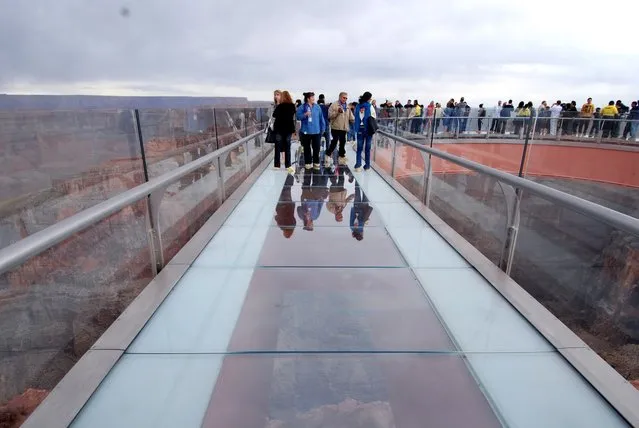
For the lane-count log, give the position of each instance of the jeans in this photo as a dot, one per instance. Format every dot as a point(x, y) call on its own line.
point(583, 126)
point(311, 144)
point(337, 136)
point(363, 143)
point(634, 128)
point(282, 144)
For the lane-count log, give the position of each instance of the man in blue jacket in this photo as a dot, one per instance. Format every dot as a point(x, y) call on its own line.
point(312, 127)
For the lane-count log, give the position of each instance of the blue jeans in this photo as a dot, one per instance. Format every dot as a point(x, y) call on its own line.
point(634, 128)
point(363, 143)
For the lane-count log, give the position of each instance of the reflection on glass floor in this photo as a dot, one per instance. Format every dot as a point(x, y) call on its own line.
point(326, 301)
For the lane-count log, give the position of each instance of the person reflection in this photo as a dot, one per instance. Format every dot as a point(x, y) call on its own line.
point(285, 209)
point(360, 213)
point(314, 192)
point(337, 198)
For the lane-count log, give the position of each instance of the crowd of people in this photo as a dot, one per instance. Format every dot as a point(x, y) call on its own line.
point(329, 126)
point(314, 120)
point(614, 120)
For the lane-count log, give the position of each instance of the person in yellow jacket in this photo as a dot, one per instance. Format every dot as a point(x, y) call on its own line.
point(609, 113)
point(340, 117)
point(415, 117)
point(522, 113)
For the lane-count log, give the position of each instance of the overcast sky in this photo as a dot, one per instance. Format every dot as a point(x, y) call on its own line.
point(398, 49)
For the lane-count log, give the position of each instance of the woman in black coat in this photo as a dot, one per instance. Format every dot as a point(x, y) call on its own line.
point(283, 128)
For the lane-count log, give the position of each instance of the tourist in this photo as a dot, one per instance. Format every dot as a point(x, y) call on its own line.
point(633, 119)
point(284, 127)
point(555, 112)
point(340, 117)
point(363, 112)
point(585, 118)
point(494, 123)
point(326, 135)
point(481, 114)
point(608, 114)
point(312, 127)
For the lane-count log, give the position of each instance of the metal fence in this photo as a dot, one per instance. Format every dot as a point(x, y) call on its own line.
point(92, 205)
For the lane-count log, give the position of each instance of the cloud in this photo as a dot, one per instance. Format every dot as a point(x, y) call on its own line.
point(484, 50)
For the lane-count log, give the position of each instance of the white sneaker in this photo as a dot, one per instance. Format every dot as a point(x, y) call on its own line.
point(358, 169)
point(290, 170)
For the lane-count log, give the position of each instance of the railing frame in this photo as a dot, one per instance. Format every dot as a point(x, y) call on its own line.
point(33, 245)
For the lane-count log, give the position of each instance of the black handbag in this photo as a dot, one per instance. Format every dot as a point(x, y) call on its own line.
point(371, 126)
point(269, 134)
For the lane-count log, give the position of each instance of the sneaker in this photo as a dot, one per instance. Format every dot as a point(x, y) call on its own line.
point(290, 170)
point(343, 161)
point(358, 169)
point(328, 161)
point(316, 166)
point(366, 168)
point(276, 168)
point(309, 166)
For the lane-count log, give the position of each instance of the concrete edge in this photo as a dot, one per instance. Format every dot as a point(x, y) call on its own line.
point(621, 395)
point(75, 389)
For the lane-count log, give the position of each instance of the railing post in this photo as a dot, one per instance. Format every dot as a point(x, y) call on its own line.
point(248, 159)
point(220, 169)
point(154, 200)
point(376, 137)
point(217, 139)
point(510, 243)
point(396, 119)
point(393, 158)
point(428, 172)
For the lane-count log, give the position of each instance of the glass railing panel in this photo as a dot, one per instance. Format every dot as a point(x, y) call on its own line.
point(235, 168)
point(186, 205)
point(231, 124)
point(57, 304)
point(585, 273)
point(410, 169)
point(174, 137)
point(475, 205)
point(54, 164)
point(576, 164)
point(382, 152)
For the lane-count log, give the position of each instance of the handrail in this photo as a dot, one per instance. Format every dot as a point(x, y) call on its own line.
point(611, 217)
point(41, 241)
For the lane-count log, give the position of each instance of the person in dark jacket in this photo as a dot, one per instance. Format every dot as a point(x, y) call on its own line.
point(284, 127)
point(363, 112)
point(327, 132)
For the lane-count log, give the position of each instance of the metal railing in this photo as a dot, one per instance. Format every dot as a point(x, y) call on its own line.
point(154, 189)
point(543, 127)
point(606, 215)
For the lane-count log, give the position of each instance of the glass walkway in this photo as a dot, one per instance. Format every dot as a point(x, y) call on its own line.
point(325, 300)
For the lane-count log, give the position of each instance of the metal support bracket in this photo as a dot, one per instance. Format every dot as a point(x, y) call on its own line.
point(155, 232)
